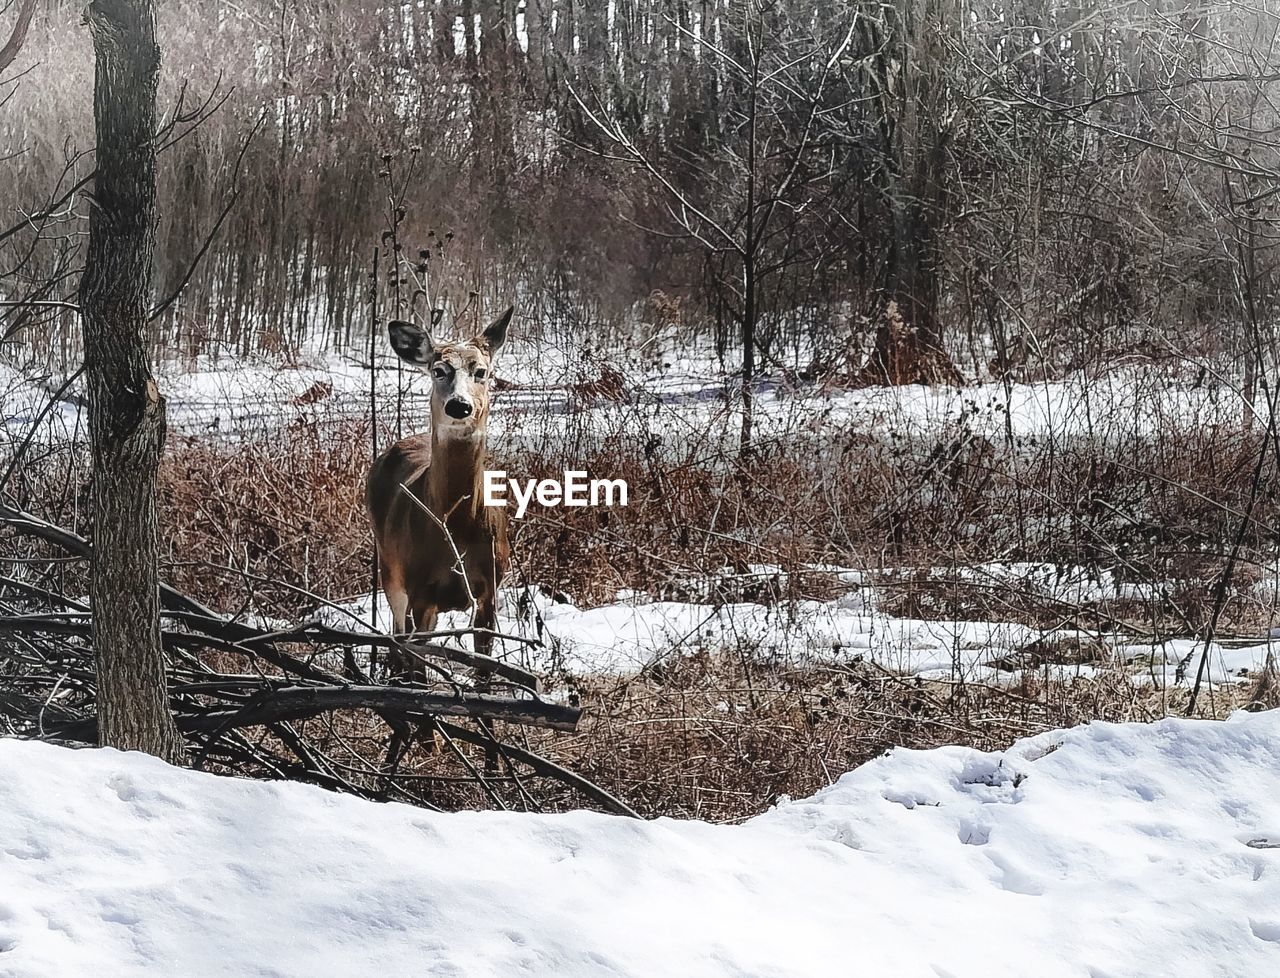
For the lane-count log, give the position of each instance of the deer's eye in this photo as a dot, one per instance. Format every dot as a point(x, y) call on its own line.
point(440, 371)
point(481, 373)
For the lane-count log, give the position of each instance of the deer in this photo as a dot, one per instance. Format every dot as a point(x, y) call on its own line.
point(439, 548)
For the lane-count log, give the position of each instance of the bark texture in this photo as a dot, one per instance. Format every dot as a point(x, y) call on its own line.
point(126, 411)
point(18, 36)
point(909, 347)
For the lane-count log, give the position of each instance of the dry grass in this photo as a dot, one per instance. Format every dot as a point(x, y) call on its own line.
point(266, 524)
point(283, 508)
point(719, 740)
point(287, 506)
point(714, 738)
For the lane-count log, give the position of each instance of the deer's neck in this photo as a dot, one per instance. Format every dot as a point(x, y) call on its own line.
point(454, 481)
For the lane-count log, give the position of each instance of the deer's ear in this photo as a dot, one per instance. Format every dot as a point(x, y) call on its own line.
point(496, 334)
point(411, 342)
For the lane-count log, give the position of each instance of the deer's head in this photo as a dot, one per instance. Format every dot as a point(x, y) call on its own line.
point(460, 373)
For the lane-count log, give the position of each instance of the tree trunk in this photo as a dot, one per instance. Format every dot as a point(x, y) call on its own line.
point(126, 411)
point(493, 148)
point(909, 347)
point(18, 36)
point(750, 248)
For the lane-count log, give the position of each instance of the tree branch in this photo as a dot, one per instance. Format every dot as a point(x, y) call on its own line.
point(18, 37)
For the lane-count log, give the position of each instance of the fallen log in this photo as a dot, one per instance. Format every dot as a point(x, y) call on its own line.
point(303, 702)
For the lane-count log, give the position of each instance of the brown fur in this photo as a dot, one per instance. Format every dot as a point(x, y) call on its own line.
point(414, 553)
point(443, 471)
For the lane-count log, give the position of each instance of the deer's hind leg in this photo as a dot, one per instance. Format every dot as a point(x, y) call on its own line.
point(424, 617)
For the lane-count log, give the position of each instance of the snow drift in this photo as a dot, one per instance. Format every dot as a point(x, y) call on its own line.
point(1106, 850)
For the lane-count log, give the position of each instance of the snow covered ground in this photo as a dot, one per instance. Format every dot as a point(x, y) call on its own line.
point(1105, 851)
point(680, 397)
point(689, 396)
point(627, 636)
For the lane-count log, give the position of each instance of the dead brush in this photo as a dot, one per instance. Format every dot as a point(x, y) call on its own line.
point(271, 523)
point(682, 520)
point(1265, 691)
point(714, 736)
point(286, 506)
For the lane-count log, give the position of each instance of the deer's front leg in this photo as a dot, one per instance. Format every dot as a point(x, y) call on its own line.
point(424, 620)
point(486, 618)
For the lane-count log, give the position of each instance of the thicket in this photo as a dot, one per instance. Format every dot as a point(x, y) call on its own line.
point(1028, 183)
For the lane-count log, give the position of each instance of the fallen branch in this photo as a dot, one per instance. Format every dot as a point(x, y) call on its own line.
point(303, 702)
point(285, 713)
point(546, 768)
point(207, 622)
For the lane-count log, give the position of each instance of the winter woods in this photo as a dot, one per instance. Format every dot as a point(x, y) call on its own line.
point(1030, 185)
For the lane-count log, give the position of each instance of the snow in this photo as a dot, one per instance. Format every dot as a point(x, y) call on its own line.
point(686, 402)
point(627, 636)
point(673, 396)
point(24, 401)
point(679, 399)
point(1110, 850)
point(688, 393)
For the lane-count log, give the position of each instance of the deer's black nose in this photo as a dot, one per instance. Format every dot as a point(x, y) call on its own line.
point(457, 408)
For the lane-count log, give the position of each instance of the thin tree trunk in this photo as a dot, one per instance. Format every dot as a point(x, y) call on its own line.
point(753, 38)
point(909, 346)
point(749, 310)
point(18, 36)
point(126, 411)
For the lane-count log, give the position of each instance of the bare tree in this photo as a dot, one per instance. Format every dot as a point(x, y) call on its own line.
point(907, 72)
point(743, 197)
point(126, 411)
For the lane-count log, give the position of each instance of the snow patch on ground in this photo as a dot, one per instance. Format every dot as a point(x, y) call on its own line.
point(1116, 850)
point(685, 401)
point(626, 637)
point(688, 399)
